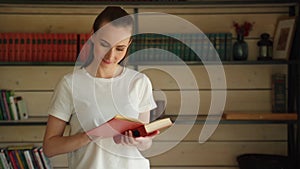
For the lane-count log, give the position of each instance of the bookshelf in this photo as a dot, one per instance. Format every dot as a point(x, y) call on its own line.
point(233, 117)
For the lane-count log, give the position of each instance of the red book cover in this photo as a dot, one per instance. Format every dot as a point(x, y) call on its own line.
point(44, 53)
point(11, 47)
point(39, 52)
point(49, 46)
point(22, 49)
point(65, 53)
point(1, 47)
point(16, 56)
point(54, 47)
point(13, 159)
point(119, 124)
point(34, 47)
point(74, 53)
point(5, 47)
point(60, 47)
point(83, 47)
point(28, 47)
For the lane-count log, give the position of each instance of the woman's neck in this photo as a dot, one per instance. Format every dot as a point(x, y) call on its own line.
point(108, 72)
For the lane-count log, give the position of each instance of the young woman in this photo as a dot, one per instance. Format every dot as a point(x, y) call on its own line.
point(96, 92)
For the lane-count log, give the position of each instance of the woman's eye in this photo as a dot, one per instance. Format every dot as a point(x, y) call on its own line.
point(104, 44)
point(120, 49)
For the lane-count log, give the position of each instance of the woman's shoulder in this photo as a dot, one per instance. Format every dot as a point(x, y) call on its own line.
point(134, 73)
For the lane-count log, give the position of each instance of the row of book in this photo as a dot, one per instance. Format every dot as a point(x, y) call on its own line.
point(23, 157)
point(186, 47)
point(65, 47)
point(12, 107)
point(39, 47)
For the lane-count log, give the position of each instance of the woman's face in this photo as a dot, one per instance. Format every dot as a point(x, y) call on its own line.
point(110, 44)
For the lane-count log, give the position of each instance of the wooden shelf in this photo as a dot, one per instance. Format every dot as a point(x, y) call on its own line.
point(133, 63)
point(29, 121)
point(260, 116)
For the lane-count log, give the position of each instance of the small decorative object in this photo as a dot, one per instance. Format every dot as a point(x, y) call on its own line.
point(283, 37)
point(265, 47)
point(240, 47)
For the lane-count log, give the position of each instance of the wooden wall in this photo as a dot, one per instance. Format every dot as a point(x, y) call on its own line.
point(248, 86)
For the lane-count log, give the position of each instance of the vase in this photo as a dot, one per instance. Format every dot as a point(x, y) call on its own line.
point(240, 48)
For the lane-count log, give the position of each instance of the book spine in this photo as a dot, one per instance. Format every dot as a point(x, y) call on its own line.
point(21, 159)
point(16, 38)
point(22, 108)
point(279, 102)
point(228, 47)
point(45, 160)
point(1, 47)
point(44, 54)
point(13, 159)
point(28, 159)
point(22, 51)
point(11, 47)
point(13, 107)
point(2, 106)
point(37, 158)
point(28, 47)
point(40, 54)
point(6, 47)
point(6, 106)
point(4, 159)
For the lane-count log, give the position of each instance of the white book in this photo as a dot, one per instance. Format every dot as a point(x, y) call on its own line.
point(28, 159)
point(13, 106)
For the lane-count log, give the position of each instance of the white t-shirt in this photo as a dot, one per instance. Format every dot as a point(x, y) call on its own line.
point(86, 102)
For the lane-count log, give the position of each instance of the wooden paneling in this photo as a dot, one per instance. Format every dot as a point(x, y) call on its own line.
point(236, 76)
point(32, 77)
point(254, 100)
point(212, 153)
point(26, 134)
point(224, 133)
point(236, 100)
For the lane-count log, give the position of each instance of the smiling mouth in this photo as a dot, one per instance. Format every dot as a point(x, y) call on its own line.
point(106, 61)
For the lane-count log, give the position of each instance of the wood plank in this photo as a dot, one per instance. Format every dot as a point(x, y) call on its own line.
point(260, 116)
point(32, 99)
point(208, 23)
point(251, 101)
point(227, 132)
point(224, 132)
point(236, 76)
point(26, 134)
point(211, 153)
point(32, 77)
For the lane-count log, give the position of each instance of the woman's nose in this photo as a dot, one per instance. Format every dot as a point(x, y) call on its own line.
point(110, 54)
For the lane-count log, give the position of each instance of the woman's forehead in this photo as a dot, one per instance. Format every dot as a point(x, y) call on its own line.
point(113, 34)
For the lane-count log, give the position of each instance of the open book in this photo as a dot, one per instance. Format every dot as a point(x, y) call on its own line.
point(119, 124)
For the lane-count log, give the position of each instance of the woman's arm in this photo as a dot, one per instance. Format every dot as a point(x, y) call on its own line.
point(55, 143)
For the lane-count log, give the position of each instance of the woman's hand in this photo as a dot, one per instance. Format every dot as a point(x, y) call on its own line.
point(142, 143)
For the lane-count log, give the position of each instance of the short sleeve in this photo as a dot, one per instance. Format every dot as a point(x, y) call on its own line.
point(147, 102)
point(61, 105)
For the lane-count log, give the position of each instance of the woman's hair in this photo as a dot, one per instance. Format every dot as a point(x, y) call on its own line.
point(117, 17)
